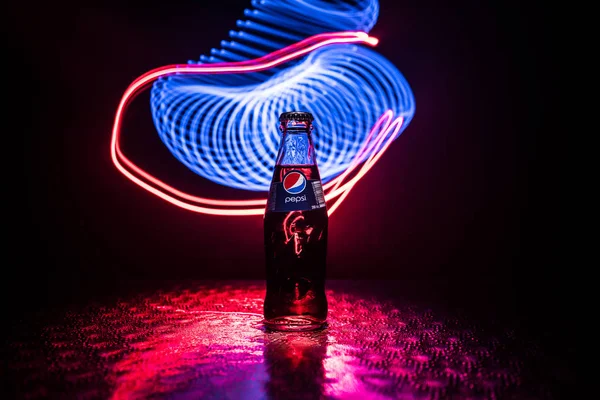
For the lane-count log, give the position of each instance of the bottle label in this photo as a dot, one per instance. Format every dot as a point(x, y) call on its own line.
point(296, 193)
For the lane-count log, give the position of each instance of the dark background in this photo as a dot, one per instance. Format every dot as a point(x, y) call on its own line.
point(461, 206)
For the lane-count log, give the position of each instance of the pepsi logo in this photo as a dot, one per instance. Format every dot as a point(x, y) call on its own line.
point(294, 182)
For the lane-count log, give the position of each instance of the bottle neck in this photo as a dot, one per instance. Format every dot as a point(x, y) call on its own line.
point(296, 148)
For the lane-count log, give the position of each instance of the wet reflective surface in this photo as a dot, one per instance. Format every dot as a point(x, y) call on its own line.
point(208, 341)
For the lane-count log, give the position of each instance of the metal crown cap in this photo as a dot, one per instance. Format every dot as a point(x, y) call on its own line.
point(296, 116)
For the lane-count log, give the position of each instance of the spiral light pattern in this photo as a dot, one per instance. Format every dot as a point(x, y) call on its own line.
point(224, 127)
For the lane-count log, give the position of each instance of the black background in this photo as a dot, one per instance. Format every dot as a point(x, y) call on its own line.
point(461, 206)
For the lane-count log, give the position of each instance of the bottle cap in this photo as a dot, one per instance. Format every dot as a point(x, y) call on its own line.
point(296, 116)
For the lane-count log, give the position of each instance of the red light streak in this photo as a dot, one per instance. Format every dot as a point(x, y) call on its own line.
point(384, 130)
point(288, 229)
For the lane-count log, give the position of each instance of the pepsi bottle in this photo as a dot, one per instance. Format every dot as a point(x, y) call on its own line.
point(295, 232)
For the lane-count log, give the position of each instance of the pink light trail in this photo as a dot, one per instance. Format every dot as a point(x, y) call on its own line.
point(383, 132)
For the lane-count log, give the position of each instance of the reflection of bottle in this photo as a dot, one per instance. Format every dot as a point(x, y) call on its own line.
point(295, 232)
point(294, 362)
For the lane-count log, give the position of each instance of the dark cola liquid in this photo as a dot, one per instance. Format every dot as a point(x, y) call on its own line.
point(296, 250)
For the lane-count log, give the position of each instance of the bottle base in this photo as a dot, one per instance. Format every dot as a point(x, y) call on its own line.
point(294, 323)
